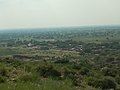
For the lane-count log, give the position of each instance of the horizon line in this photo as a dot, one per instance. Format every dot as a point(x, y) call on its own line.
point(50, 27)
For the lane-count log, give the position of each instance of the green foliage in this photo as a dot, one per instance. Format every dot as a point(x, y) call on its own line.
point(109, 71)
point(62, 61)
point(117, 78)
point(28, 77)
point(104, 83)
point(70, 59)
point(47, 71)
point(77, 80)
point(3, 70)
point(84, 71)
point(94, 82)
point(2, 79)
point(108, 83)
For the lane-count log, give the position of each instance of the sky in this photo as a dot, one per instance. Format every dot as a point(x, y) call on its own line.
point(52, 13)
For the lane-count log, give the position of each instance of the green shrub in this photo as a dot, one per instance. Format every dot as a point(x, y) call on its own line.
point(77, 80)
point(104, 83)
point(28, 77)
point(67, 73)
point(84, 71)
point(117, 78)
point(109, 71)
point(47, 71)
point(2, 79)
point(108, 83)
point(62, 61)
point(92, 81)
point(77, 66)
point(3, 70)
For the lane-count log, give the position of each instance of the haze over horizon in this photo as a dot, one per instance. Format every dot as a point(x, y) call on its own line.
point(57, 13)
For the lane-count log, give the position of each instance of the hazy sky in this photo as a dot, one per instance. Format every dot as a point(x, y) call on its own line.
point(44, 13)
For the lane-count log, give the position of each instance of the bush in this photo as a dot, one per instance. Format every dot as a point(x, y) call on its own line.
point(63, 61)
point(77, 66)
point(48, 70)
point(28, 77)
point(117, 78)
point(3, 70)
point(109, 71)
point(67, 73)
point(77, 80)
point(84, 71)
point(104, 83)
point(2, 79)
point(108, 83)
point(94, 82)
